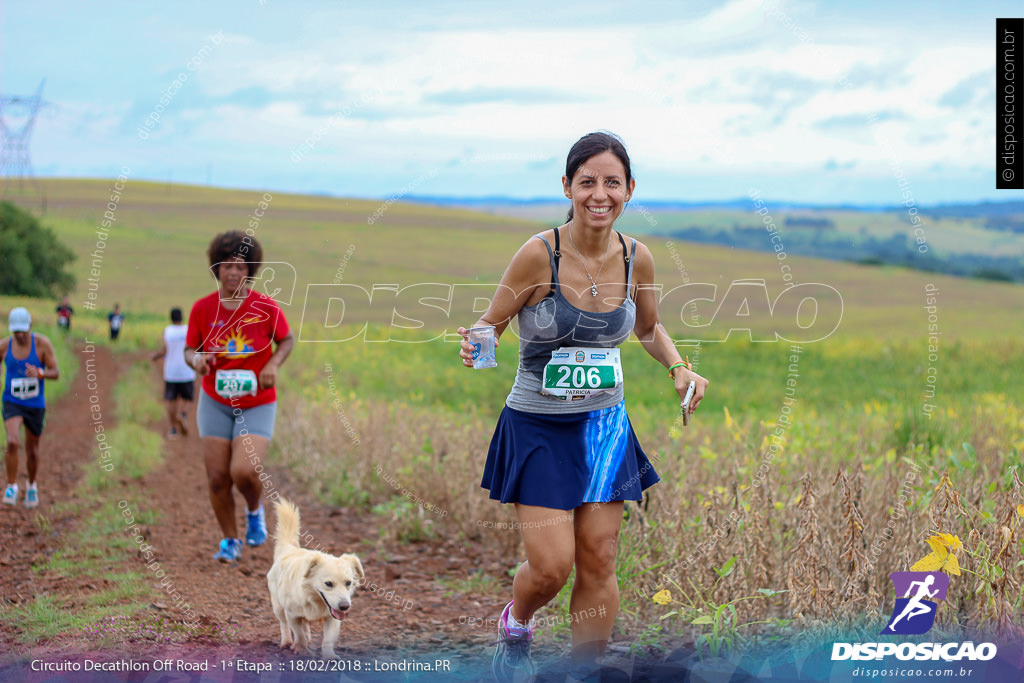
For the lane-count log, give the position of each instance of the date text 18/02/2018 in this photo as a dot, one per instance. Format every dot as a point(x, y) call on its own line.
point(368, 665)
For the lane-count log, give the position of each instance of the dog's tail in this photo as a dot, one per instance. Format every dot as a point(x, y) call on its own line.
point(287, 533)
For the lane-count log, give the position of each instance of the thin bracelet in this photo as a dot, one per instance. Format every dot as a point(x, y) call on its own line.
point(676, 365)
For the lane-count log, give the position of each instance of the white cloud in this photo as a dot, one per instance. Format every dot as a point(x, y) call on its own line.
point(736, 87)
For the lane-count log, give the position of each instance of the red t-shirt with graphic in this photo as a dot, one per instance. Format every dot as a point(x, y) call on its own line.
point(246, 332)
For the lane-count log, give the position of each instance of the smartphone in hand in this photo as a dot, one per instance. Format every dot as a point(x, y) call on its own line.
point(684, 407)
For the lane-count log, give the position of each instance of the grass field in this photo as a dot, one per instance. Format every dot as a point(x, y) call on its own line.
point(783, 489)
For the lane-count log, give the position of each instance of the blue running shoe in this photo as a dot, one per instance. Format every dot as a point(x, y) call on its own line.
point(11, 495)
point(32, 497)
point(230, 550)
point(512, 663)
point(256, 527)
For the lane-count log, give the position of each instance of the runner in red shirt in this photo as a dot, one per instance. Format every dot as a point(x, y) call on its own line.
point(230, 342)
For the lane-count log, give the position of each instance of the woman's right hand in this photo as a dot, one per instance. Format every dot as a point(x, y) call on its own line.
point(204, 362)
point(466, 349)
point(200, 364)
point(209, 359)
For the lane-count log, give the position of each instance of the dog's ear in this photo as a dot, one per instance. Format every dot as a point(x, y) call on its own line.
point(314, 562)
point(357, 566)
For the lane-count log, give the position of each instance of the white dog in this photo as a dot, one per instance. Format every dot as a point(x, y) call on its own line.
point(308, 585)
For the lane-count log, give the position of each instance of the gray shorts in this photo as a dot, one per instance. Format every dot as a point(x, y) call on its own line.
point(224, 422)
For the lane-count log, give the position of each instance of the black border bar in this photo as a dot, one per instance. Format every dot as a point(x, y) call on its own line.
point(1009, 104)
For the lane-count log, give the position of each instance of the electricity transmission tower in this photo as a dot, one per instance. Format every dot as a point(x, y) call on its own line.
point(15, 161)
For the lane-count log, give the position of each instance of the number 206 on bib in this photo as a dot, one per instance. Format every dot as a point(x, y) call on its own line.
point(578, 373)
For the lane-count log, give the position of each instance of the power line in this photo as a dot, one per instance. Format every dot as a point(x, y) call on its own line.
point(15, 160)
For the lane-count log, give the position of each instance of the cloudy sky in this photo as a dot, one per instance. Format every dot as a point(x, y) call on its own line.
point(374, 99)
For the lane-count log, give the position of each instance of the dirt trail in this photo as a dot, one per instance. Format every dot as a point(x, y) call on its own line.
point(401, 602)
point(67, 449)
point(402, 611)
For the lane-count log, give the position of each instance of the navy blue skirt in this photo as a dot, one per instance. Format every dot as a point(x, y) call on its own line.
point(564, 461)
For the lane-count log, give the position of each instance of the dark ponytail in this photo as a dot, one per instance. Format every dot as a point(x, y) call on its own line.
point(592, 145)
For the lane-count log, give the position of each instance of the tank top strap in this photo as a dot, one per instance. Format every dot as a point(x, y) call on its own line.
point(32, 351)
point(625, 254)
point(558, 248)
point(629, 263)
point(552, 258)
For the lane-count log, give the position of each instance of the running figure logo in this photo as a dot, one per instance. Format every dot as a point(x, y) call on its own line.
point(914, 612)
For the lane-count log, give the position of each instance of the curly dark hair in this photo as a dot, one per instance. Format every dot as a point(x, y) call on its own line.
point(235, 244)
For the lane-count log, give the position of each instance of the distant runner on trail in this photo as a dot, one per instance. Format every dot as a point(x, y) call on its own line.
point(564, 452)
point(229, 342)
point(116, 319)
point(179, 378)
point(64, 313)
point(29, 360)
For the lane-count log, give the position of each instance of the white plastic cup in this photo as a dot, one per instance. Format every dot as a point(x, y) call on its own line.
point(482, 339)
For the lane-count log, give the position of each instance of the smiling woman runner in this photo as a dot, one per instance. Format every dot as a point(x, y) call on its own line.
point(563, 441)
point(229, 340)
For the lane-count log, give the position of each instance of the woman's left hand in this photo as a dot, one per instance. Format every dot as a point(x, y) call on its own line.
point(268, 376)
point(682, 378)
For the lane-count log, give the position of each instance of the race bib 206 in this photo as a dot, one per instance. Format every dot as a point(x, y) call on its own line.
point(576, 373)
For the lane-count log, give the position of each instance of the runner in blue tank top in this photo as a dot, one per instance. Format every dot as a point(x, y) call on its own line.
point(29, 360)
point(564, 451)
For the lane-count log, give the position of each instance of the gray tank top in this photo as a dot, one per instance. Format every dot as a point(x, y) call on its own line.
point(553, 322)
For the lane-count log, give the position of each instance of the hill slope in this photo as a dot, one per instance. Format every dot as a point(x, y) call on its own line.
point(153, 257)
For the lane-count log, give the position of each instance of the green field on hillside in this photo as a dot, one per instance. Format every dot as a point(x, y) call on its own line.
point(154, 258)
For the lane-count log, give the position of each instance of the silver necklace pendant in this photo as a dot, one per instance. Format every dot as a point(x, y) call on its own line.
point(593, 282)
